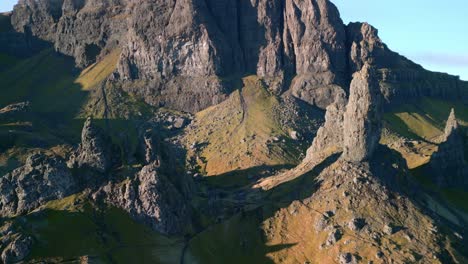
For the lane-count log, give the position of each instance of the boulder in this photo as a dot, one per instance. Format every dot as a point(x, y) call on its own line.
point(151, 199)
point(347, 258)
point(43, 178)
point(356, 224)
point(334, 236)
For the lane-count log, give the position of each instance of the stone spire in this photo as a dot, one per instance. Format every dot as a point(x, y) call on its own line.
point(362, 119)
point(452, 124)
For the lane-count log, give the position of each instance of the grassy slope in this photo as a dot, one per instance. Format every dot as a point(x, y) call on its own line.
point(234, 134)
point(61, 97)
point(67, 229)
point(92, 76)
point(425, 120)
point(49, 85)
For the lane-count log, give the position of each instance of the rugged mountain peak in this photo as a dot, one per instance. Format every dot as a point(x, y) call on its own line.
point(362, 119)
point(94, 152)
point(451, 125)
point(186, 55)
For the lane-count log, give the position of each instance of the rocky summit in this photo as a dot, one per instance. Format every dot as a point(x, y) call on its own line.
point(218, 131)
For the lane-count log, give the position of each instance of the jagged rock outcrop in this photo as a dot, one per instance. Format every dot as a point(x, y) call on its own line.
point(316, 39)
point(151, 198)
point(150, 151)
point(183, 51)
point(365, 46)
point(78, 28)
point(17, 250)
point(330, 135)
point(94, 152)
point(42, 178)
point(448, 165)
point(451, 127)
point(401, 79)
point(17, 44)
point(348, 192)
point(186, 55)
point(362, 119)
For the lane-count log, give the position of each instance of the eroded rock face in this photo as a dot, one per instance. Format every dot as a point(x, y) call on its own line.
point(365, 46)
point(78, 28)
point(17, 250)
point(152, 199)
point(181, 48)
point(317, 36)
point(187, 55)
point(362, 119)
point(40, 180)
point(330, 135)
point(150, 147)
point(448, 165)
point(94, 152)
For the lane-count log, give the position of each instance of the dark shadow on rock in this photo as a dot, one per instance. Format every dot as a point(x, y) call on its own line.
point(240, 178)
point(45, 79)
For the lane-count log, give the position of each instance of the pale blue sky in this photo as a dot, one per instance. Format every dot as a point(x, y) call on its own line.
point(432, 33)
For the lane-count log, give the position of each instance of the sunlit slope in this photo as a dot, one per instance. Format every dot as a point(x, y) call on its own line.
point(96, 73)
point(425, 118)
point(51, 82)
point(241, 133)
point(422, 123)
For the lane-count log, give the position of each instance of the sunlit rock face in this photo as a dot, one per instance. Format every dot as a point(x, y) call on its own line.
point(363, 116)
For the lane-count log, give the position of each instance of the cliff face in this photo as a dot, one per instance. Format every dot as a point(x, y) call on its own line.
point(186, 54)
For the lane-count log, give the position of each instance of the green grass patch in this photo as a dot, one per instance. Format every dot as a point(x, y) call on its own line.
point(46, 80)
point(237, 134)
point(456, 197)
point(66, 231)
point(237, 240)
point(7, 61)
point(425, 118)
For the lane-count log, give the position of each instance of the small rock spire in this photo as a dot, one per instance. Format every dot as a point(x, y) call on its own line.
point(448, 166)
point(451, 125)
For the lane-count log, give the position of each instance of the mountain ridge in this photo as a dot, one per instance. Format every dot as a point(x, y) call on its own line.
point(195, 131)
point(311, 53)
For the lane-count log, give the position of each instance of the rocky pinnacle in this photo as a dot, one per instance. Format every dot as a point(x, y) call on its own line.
point(448, 165)
point(451, 125)
point(362, 119)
